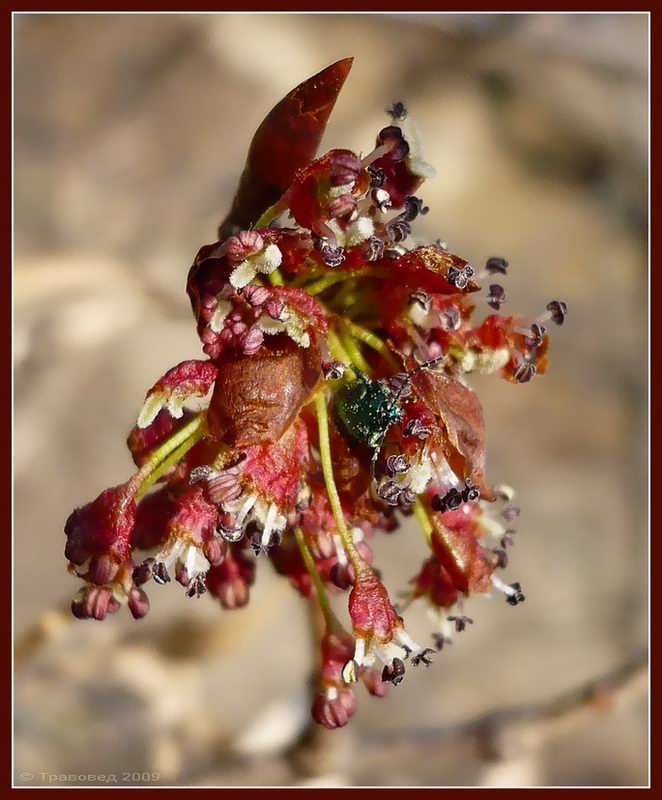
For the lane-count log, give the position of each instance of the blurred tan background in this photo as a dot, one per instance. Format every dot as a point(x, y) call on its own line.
point(130, 134)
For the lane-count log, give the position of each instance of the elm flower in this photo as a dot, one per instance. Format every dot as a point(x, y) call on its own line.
point(334, 400)
point(264, 262)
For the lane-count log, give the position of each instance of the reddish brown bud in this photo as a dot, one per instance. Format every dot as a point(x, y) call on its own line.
point(255, 400)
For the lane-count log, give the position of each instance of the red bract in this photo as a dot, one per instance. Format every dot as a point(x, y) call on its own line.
point(101, 531)
point(339, 356)
point(186, 380)
point(286, 140)
point(256, 400)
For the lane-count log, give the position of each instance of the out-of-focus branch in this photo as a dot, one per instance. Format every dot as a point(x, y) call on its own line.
point(502, 735)
point(509, 730)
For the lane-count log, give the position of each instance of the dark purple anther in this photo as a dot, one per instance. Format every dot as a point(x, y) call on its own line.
point(517, 595)
point(471, 492)
point(421, 298)
point(377, 177)
point(398, 230)
point(332, 256)
point(459, 278)
point(525, 372)
point(558, 310)
point(422, 657)
point(375, 249)
point(537, 336)
point(461, 622)
point(495, 265)
point(397, 111)
point(397, 465)
point(413, 207)
point(451, 501)
point(160, 573)
point(392, 135)
point(496, 296)
point(395, 672)
point(416, 429)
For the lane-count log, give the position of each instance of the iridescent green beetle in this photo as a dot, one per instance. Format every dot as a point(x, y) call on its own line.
point(367, 409)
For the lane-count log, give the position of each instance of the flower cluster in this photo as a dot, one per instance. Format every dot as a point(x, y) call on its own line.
point(337, 354)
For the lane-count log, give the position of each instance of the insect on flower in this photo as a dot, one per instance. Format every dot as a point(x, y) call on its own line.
point(367, 408)
point(338, 355)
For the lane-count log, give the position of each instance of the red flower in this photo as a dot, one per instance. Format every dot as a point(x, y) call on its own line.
point(338, 363)
point(100, 533)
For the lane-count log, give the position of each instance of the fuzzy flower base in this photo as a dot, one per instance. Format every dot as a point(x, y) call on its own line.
point(338, 351)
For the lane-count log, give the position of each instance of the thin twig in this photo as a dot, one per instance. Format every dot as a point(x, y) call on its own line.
point(500, 732)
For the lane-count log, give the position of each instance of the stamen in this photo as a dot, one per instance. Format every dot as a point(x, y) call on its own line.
point(513, 591)
point(459, 278)
point(440, 640)
point(413, 207)
point(160, 573)
point(390, 492)
point(400, 384)
point(229, 532)
point(421, 298)
point(395, 672)
point(508, 538)
point(349, 672)
point(471, 492)
point(381, 199)
point(197, 586)
point(376, 154)
point(496, 296)
point(505, 493)
point(495, 265)
point(510, 513)
point(525, 372)
point(398, 230)
point(375, 249)
point(143, 572)
point(406, 498)
point(450, 318)
point(245, 510)
point(556, 311)
point(394, 140)
point(332, 256)
point(501, 558)
point(451, 501)
point(422, 351)
point(461, 622)
point(416, 429)
point(268, 526)
point(377, 177)
point(535, 335)
point(191, 558)
point(333, 370)
point(397, 111)
point(422, 657)
point(397, 465)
